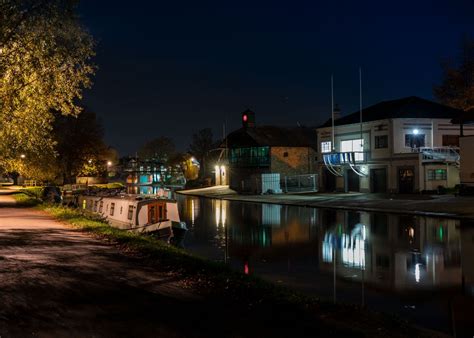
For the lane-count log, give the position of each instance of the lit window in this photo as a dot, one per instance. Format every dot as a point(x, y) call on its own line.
point(326, 147)
point(437, 174)
point(112, 209)
point(84, 204)
point(356, 146)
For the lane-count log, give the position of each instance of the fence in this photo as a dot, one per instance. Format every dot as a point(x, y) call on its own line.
point(300, 183)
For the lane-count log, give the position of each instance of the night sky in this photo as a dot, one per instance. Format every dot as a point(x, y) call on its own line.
point(171, 68)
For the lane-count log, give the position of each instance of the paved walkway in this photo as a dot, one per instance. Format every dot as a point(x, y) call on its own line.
point(56, 281)
point(437, 205)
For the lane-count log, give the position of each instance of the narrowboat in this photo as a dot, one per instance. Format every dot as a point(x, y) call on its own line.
point(141, 214)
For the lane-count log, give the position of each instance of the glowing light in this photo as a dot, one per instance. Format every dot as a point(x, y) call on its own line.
point(109, 163)
point(416, 131)
point(216, 168)
point(90, 161)
point(22, 155)
point(246, 268)
point(245, 118)
point(417, 272)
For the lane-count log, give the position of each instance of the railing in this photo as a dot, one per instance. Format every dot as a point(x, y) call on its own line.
point(448, 154)
point(299, 183)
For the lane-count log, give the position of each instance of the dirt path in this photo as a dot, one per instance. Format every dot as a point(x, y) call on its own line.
point(56, 281)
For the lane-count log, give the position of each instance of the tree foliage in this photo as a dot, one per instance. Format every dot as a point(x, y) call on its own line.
point(201, 145)
point(161, 149)
point(45, 62)
point(457, 87)
point(80, 147)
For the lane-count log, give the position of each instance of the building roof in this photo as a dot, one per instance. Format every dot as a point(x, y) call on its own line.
point(408, 107)
point(272, 136)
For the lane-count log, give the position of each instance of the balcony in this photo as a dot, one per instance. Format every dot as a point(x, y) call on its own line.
point(438, 154)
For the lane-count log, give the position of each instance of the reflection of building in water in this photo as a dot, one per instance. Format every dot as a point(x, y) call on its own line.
point(467, 244)
point(220, 210)
point(396, 251)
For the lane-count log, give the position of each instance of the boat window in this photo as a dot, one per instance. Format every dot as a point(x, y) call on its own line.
point(101, 206)
point(112, 209)
point(130, 212)
point(84, 204)
point(96, 203)
point(152, 215)
point(160, 212)
point(121, 209)
point(90, 204)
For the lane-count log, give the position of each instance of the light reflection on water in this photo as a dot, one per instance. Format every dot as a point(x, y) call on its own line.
point(409, 265)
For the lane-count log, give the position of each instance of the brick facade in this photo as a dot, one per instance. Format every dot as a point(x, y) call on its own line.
point(293, 160)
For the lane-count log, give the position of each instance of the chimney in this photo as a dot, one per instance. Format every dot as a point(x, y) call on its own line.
point(248, 119)
point(337, 112)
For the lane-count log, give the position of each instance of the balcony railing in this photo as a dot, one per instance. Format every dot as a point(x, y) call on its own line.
point(339, 158)
point(445, 154)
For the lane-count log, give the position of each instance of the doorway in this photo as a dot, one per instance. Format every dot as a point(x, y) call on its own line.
point(406, 180)
point(352, 180)
point(378, 179)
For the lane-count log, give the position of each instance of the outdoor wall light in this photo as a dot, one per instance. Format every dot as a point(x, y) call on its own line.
point(416, 131)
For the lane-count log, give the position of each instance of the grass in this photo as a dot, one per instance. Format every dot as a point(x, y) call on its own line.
point(26, 198)
point(218, 280)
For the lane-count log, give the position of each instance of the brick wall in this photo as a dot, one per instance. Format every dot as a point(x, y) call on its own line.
point(293, 160)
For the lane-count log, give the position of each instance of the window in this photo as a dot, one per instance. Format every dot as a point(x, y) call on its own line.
point(381, 141)
point(414, 140)
point(130, 212)
point(437, 174)
point(121, 209)
point(451, 140)
point(101, 206)
point(356, 146)
point(326, 147)
point(250, 157)
point(285, 154)
point(112, 209)
point(96, 203)
point(84, 203)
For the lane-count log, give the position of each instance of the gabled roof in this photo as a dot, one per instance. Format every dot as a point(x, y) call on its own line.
point(272, 136)
point(408, 107)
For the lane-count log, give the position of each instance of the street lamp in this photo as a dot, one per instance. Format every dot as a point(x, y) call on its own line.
point(22, 156)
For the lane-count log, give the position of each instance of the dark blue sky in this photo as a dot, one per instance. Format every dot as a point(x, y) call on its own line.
point(171, 68)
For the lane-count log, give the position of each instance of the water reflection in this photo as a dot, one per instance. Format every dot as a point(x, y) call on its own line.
point(353, 254)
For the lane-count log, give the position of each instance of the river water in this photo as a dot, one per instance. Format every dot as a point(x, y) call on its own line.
point(407, 265)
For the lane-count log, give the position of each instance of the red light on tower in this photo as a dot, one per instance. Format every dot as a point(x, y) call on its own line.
point(244, 118)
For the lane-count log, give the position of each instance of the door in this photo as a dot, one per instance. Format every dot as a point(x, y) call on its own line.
point(156, 212)
point(329, 181)
point(353, 183)
point(378, 179)
point(406, 180)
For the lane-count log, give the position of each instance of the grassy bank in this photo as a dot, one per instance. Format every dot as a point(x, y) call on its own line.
point(217, 281)
point(28, 197)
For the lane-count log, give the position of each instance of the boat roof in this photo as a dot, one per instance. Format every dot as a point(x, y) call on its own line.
point(132, 198)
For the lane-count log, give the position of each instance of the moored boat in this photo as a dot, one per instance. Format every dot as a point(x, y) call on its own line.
point(159, 216)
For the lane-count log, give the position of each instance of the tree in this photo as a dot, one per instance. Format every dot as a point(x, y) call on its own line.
point(45, 62)
point(457, 87)
point(160, 148)
point(200, 147)
point(80, 147)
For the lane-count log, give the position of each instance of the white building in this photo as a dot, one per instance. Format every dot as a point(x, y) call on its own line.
point(406, 145)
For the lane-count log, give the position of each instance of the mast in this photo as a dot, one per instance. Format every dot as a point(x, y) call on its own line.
point(332, 113)
point(360, 106)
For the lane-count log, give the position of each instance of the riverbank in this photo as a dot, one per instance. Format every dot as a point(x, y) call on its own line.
point(104, 281)
point(426, 205)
